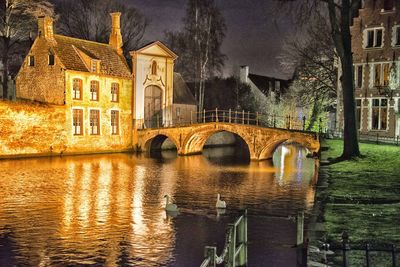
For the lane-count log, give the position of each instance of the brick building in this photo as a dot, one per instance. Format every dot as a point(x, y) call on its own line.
point(103, 100)
point(376, 58)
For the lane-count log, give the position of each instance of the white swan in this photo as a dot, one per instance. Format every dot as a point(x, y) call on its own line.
point(170, 206)
point(220, 203)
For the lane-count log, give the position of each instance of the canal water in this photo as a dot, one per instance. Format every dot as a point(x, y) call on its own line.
point(107, 210)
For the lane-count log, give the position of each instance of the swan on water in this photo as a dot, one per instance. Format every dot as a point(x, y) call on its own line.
point(170, 206)
point(220, 203)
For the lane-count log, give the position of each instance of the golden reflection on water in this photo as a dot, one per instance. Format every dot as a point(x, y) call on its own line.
point(108, 209)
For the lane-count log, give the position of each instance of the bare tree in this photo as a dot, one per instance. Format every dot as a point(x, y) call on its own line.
point(315, 78)
point(17, 21)
point(340, 14)
point(90, 20)
point(199, 44)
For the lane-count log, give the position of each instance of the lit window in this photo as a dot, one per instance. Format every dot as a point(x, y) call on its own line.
point(381, 74)
point(94, 90)
point(77, 121)
point(114, 92)
point(114, 122)
point(51, 60)
point(31, 61)
point(77, 89)
point(94, 122)
point(374, 38)
point(379, 114)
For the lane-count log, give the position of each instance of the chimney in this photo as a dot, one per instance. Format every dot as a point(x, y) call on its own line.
point(116, 37)
point(45, 27)
point(244, 74)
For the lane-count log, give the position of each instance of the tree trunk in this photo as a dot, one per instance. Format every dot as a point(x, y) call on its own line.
point(5, 67)
point(350, 145)
point(342, 38)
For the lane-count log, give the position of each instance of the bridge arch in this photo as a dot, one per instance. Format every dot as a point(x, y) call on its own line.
point(155, 141)
point(195, 141)
point(268, 150)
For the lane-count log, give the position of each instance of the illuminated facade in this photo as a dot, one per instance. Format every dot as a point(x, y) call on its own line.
point(376, 58)
point(91, 80)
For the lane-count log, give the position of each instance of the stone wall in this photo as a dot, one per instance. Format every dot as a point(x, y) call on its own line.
point(32, 129)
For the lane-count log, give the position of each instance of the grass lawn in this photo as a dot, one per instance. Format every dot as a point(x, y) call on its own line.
point(363, 196)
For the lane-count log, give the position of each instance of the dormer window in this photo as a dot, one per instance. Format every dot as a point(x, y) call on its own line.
point(31, 61)
point(51, 60)
point(373, 38)
point(94, 66)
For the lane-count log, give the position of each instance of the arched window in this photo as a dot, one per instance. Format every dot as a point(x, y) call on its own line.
point(77, 89)
point(154, 68)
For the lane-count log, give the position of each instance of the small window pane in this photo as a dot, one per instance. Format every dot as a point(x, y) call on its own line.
point(370, 42)
point(77, 89)
point(378, 38)
point(31, 61)
point(94, 90)
point(51, 60)
point(375, 102)
point(359, 76)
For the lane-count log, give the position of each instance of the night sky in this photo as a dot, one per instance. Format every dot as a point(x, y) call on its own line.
point(254, 37)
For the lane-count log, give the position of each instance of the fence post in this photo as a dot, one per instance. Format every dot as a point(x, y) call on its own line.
point(257, 118)
point(242, 235)
point(397, 142)
point(158, 121)
point(216, 114)
point(300, 228)
point(243, 117)
point(394, 261)
point(367, 254)
point(248, 117)
point(204, 115)
point(232, 245)
point(304, 123)
point(345, 248)
point(230, 115)
point(210, 252)
point(191, 117)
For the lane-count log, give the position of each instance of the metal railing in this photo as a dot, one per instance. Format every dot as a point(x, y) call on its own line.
point(361, 252)
point(377, 138)
point(235, 249)
point(228, 116)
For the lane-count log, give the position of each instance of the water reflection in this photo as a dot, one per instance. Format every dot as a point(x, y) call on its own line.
point(108, 210)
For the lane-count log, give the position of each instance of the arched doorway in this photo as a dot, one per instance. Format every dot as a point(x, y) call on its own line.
point(152, 106)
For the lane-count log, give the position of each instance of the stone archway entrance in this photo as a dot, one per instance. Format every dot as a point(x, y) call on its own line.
point(152, 106)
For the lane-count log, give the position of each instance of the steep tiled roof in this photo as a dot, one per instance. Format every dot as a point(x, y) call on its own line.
point(182, 94)
point(111, 63)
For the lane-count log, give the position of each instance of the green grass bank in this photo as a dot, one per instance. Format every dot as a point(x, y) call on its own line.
point(363, 195)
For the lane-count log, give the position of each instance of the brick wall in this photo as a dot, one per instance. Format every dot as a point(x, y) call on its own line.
point(33, 81)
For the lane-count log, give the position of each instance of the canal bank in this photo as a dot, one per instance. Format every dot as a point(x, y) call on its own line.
point(361, 197)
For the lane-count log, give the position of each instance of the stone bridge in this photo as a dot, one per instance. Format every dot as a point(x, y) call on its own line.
point(261, 141)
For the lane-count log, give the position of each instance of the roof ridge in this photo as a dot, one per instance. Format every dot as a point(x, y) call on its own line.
point(84, 40)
